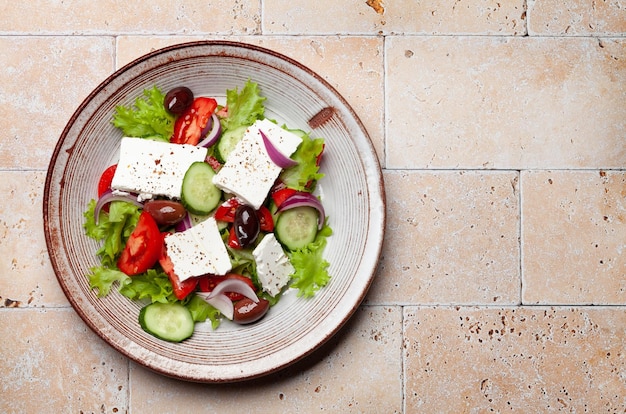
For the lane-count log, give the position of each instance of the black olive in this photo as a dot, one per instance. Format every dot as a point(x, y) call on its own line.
point(165, 212)
point(246, 225)
point(178, 99)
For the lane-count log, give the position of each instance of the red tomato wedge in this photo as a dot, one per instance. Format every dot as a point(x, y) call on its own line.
point(233, 241)
point(105, 179)
point(214, 163)
point(209, 282)
point(266, 221)
point(188, 127)
point(279, 196)
point(143, 247)
point(181, 289)
point(226, 210)
point(318, 160)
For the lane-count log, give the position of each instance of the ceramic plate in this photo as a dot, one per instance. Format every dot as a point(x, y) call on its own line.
point(352, 193)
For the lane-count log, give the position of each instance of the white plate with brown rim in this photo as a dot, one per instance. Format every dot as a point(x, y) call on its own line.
point(352, 192)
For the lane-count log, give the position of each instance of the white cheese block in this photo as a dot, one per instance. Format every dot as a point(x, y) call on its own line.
point(272, 265)
point(154, 168)
point(198, 250)
point(249, 172)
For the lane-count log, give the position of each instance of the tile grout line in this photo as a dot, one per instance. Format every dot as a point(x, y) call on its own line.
point(520, 236)
point(403, 376)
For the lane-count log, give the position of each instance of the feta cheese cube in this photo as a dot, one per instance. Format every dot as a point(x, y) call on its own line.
point(249, 172)
point(198, 250)
point(272, 265)
point(153, 167)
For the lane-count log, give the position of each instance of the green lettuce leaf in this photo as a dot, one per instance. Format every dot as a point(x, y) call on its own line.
point(147, 118)
point(102, 279)
point(113, 228)
point(244, 107)
point(311, 269)
point(201, 311)
point(306, 173)
point(152, 285)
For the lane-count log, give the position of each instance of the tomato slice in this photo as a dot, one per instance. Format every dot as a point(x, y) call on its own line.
point(266, 221)
point(214, 163)
point(226, 210)
point(318, 159)
point(143, 247)
point(209, 282)
point(233, 241)
point(105, 179)
point(188, 127)
point(181, 289)
point(279, 196)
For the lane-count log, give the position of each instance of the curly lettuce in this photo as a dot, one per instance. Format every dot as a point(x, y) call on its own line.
point(147, 118)
point(305, 173)
point(311, 269)
point(113, 229)
point(243, 107)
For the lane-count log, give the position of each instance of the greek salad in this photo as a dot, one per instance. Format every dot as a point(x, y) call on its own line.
point(209, 213)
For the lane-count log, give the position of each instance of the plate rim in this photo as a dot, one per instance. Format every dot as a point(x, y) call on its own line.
point(376, 225)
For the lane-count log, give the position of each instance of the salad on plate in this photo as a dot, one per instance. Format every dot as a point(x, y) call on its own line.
point(209, 213)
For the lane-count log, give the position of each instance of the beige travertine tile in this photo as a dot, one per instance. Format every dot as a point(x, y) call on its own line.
point(52, 363)
point(358, 370)
point(451, 237)
point(374, 17)
point(329, 17)
point(352, 65)
point(49, 78)
point(114, 17)
point(487, 102)
point(574, 237)
point(456, 17)
point(522, 360)
point(26, 276)
point(576, 17)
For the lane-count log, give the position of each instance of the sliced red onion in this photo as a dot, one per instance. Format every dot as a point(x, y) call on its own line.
point(234, 286)
point(109, 196)
point(207, 127)
point(303, 199)
point(185, 224)
point(214, 128)
point(276, 156)
point(220, 302)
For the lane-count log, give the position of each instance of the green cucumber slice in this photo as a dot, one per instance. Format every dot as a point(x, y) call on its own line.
point(296, 227)
point(228, 141)
point(199, 195)
point(168, 321)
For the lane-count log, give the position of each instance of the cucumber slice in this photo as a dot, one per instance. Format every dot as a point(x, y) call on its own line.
point(296, 227)
point(228, 141)
point(199, 195)
point(168, 321)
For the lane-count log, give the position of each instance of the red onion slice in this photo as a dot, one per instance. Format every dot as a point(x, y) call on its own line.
point(275, 155)
point(185, 224)
point(303, 199)
point(234, 286)
point(207, 127)
point(214, 128)
point(220, 302)
point(108, 196)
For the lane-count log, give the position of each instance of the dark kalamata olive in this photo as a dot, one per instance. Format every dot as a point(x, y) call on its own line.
point(178, 99)
point(246, 225)
point(165, 212)
point(248, 311)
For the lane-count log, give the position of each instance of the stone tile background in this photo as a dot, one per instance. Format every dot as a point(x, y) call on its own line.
point(501, 130)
